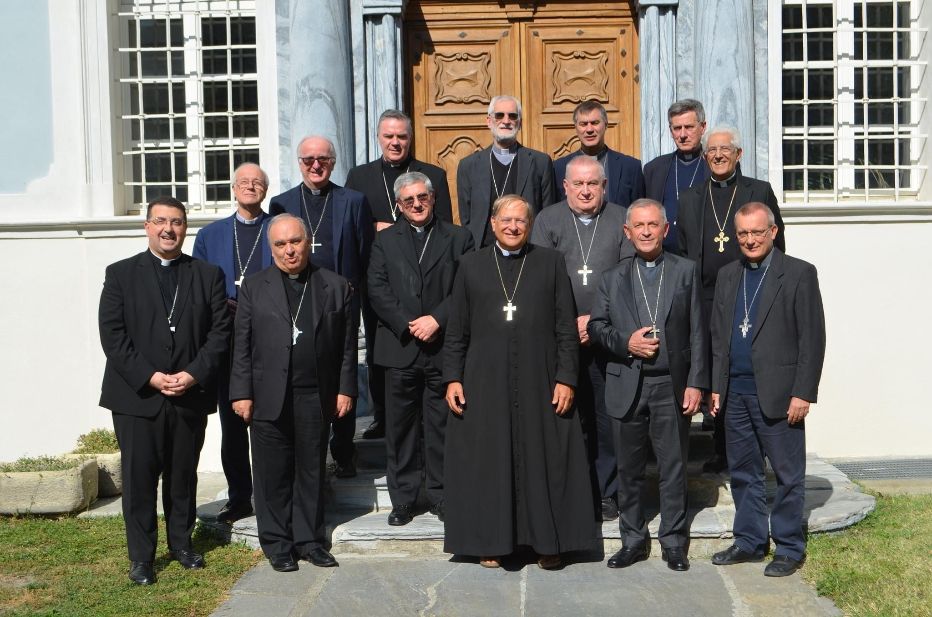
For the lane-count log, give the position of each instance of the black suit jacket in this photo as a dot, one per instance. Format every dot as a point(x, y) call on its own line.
point(614, 318)
point(533, 171)
point(137, 341)
point(625, 179)
point(656, 172)
point(788, 337)
point(690, 226)
point(401, 290)
point(368, 180)
point(262, 340)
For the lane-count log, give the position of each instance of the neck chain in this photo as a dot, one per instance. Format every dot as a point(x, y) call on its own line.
point(510, 307)
point(504, 184)
point(295, 333)
point(171, 313)
point(656, 313)
point(746, 323)
point(314, 229)
point(676, 173)
point(424, 248)
point(721, 238)
point(586, 271)
point(239, 262)
point(388, 193)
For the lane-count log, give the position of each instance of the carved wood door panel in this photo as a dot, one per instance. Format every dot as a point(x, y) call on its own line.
point(549, 55)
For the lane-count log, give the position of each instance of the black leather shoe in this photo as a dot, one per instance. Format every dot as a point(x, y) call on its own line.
point(232, 512)
point(676, 559)
point(628, 556)
point(735, 554)
point(376, 430)
point(437, 510)
point(320, 557)
point(285, 563)
point(141, 572)
point(346, 469)
point(189, 560)
point(609, 509)
point(783, 566)
point(716, 464)
point(401, 515)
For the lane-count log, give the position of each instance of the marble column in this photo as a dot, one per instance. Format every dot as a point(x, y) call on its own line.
point(657, 73)
point(315, 81)
point(382, 21)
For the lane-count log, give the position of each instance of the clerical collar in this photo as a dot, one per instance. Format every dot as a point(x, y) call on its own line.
point(651, 264)
point(507, 253)
point(389, 165)
point(689, 156)
point(313, 191)
point(763, 263)
point(424, 227)
point(585, 219)
point(510, 150)
point(297, 276)
point(726, 182)
point(599, 156)
point(164, 262)
point(245, 221)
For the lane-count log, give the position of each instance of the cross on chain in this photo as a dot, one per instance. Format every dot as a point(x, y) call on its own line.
point(721, 238)
point(294, 335)
point(586, 271)
point(239, 281)
point(314, 244)
point(510, 309)
point(744, 327)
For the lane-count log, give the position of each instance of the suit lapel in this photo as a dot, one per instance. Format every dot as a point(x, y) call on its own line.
point(340, 214)
point(148, 280)
point(185, 276)
point(318, 289)
point(483, 187)
point(436, 247)
point(768, 292)
point(275, 292)
point(405, 244)
point(627, 289)
point(522, 165)
point(228, 248)
point(671, 275)
point(731, 282)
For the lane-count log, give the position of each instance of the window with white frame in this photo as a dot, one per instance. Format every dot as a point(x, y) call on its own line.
point(188, 100)
point(851, 100)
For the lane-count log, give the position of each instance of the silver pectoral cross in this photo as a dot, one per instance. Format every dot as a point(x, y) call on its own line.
point(721, 238)
point(654, 332)
point(294, 335)
point(744, 327)
point(239, 281)
point(585, 271)
point(314, 243)
point(510, 309)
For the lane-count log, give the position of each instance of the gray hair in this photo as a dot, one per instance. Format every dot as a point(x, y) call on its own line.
point(394, 114)
point(756, 206)
point(506, 200)
point(645, 202)
point(588, 107)
point(726, 129)
point(285, 216)
point(265, 176)
point(504, 97)
point(686, 105)
point(332, 152)
point(409, 178)
point(578, 161)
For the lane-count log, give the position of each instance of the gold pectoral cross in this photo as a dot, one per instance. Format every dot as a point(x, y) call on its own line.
point(721, 238)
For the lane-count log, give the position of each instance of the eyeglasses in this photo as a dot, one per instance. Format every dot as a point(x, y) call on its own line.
point(725, 150)
point(591, 184)
point(310, 160)
point(512, 115)
point(757, 234)
point(245, 184)
point(513, 221)
point(159, 221)
point(422, 198)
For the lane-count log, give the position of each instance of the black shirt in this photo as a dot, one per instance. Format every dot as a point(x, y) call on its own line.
point(303, 357)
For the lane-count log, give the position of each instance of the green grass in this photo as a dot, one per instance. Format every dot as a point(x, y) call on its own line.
point(39, 463)
point(69, 566)
point(97, 441)
point(882, 565)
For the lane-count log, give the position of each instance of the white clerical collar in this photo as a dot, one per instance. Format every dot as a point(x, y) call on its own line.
point(506, 252)
point(510, 150)
point(164, 262)
point(316, 191)
point(651, 264)
point(724, 183)
point(242, 219)
point(763, 263)
point(422, 228)
point(688, 156)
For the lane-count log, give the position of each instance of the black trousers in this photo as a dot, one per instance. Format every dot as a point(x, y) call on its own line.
point(597, 424)
point(167, 445)
point(289, 455)
point(656, 417)
point(234, 444)
point(416, 406)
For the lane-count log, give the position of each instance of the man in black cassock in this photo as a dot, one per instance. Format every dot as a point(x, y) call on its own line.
point(515, 464)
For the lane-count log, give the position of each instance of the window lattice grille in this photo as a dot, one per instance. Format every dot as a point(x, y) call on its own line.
point(188, 98)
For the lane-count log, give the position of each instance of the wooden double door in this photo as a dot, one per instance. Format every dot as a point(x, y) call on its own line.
point(550, 55)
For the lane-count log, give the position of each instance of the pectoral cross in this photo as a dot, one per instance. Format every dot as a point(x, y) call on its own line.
point(745, 327)
point(654, 332)
point(721, 238)
point(585, 273)
point(294, 335)
point(172, 328)
point(239, 281)
point(510, 309)
point(314, 244)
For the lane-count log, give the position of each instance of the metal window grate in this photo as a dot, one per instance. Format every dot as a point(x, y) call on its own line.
point(188, 98)
point(851, 99)
point(886, 469)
